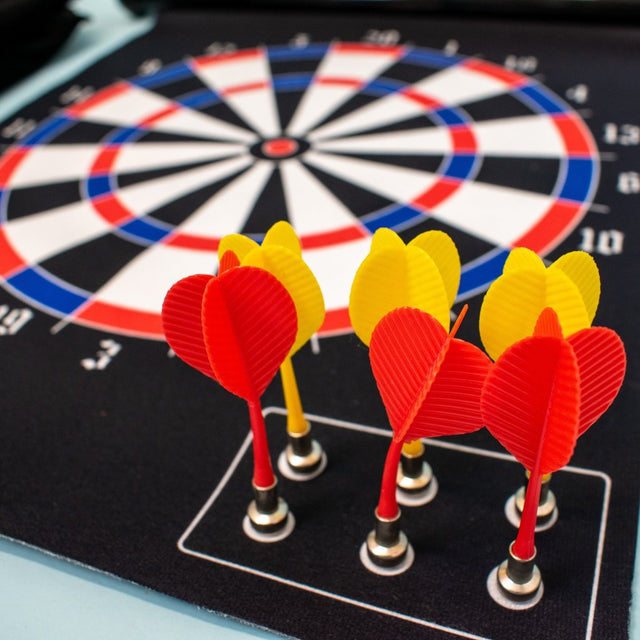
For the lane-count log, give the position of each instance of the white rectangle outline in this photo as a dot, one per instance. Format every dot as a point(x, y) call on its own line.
point(364, 605)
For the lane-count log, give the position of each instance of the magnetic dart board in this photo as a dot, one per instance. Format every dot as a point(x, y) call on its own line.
point(112, 188)
point(339, 138)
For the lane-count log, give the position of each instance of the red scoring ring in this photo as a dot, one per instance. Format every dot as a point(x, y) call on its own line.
point(279, 147)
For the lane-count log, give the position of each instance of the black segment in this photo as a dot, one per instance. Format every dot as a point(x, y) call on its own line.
point(358, 200)
point(101, 259)
point(528, 174)
point(501, 106)
point(83, 131)
point(269, 208)
point(22, 202)
point(178, 210)
point(137, 177)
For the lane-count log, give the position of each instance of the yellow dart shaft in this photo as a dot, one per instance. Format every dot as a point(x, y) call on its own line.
point(413, 448)
point(296, 422)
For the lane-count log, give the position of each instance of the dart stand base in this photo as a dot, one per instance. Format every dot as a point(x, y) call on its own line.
point(547, 514)
point(386, 550)
point(268, 517)
point(415, 484)
point(303, 458)
point(516, 583)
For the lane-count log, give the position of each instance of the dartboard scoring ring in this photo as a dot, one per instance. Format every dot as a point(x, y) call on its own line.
point(279, 148)
point(339, 138)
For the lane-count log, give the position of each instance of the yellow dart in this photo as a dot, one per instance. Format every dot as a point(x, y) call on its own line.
point(303, 455)
point(442, 250)
point(582, 270)
point(523, 258)
point(424, 274)
point(571, 286)
point(392, 278)
point(578, 266)
point(239, 244)
point(299, 281)
point(385, 238)
point(282, 234)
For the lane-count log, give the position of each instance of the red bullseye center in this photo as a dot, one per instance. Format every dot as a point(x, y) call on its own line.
point(279, 147)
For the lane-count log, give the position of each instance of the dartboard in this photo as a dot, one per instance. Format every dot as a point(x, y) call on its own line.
point(340, 139)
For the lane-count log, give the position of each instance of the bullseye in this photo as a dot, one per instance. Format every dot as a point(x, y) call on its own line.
point(279, 148)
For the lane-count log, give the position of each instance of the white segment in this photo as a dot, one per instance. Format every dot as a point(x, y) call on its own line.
point(256, 106)
point(457, 84)
point(533, 136)
point(311, 207)
point(334, 267)
point(48, 233)
point(387, 110)
point(48, 164)
point(499, 215)
point(135, 104)
point(322, 99)
point(142, 156)
point(316, 104)
point(147, 196)
point(424, 141)
point(145, 280)
point(452, 86)
point(396, 183)
point(227, 211)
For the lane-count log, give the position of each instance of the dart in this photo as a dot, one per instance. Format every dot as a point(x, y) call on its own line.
point(424, 274)
point(541, 394)
point(571, 286)
point(430, 384)
point(237, 328)
point(513, 303)
point(281, 255)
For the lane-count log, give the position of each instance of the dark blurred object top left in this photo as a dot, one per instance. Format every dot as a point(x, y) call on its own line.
point(31, 31)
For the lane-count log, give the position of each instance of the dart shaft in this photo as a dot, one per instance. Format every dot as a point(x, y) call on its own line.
point(296, 422)
point(388, 505)
point(524, 545)
point(262, 471)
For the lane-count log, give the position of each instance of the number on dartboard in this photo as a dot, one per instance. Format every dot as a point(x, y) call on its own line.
point(629, 182)
point(109, 349)
point(521, 64)
point(625, 134)
point(216, 48)
point(150, 66)
point(19, 128)
point(300, 40)
point(75, 93)
point(382, 36)
point(607, 242)
point(578, 93)
point(12, 320)
point(451, 47)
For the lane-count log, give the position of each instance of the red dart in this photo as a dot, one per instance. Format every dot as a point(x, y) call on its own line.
point(228, 261)
point(249, 324)
point(602, 363)
point(542, 393)
point(430, 384)
point(182, 322)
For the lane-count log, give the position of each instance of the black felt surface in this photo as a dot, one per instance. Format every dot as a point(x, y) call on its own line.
point(109, 467)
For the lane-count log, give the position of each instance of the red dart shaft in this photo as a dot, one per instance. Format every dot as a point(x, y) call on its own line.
point(388, 505)
point(524, 546)
point(263, 477)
